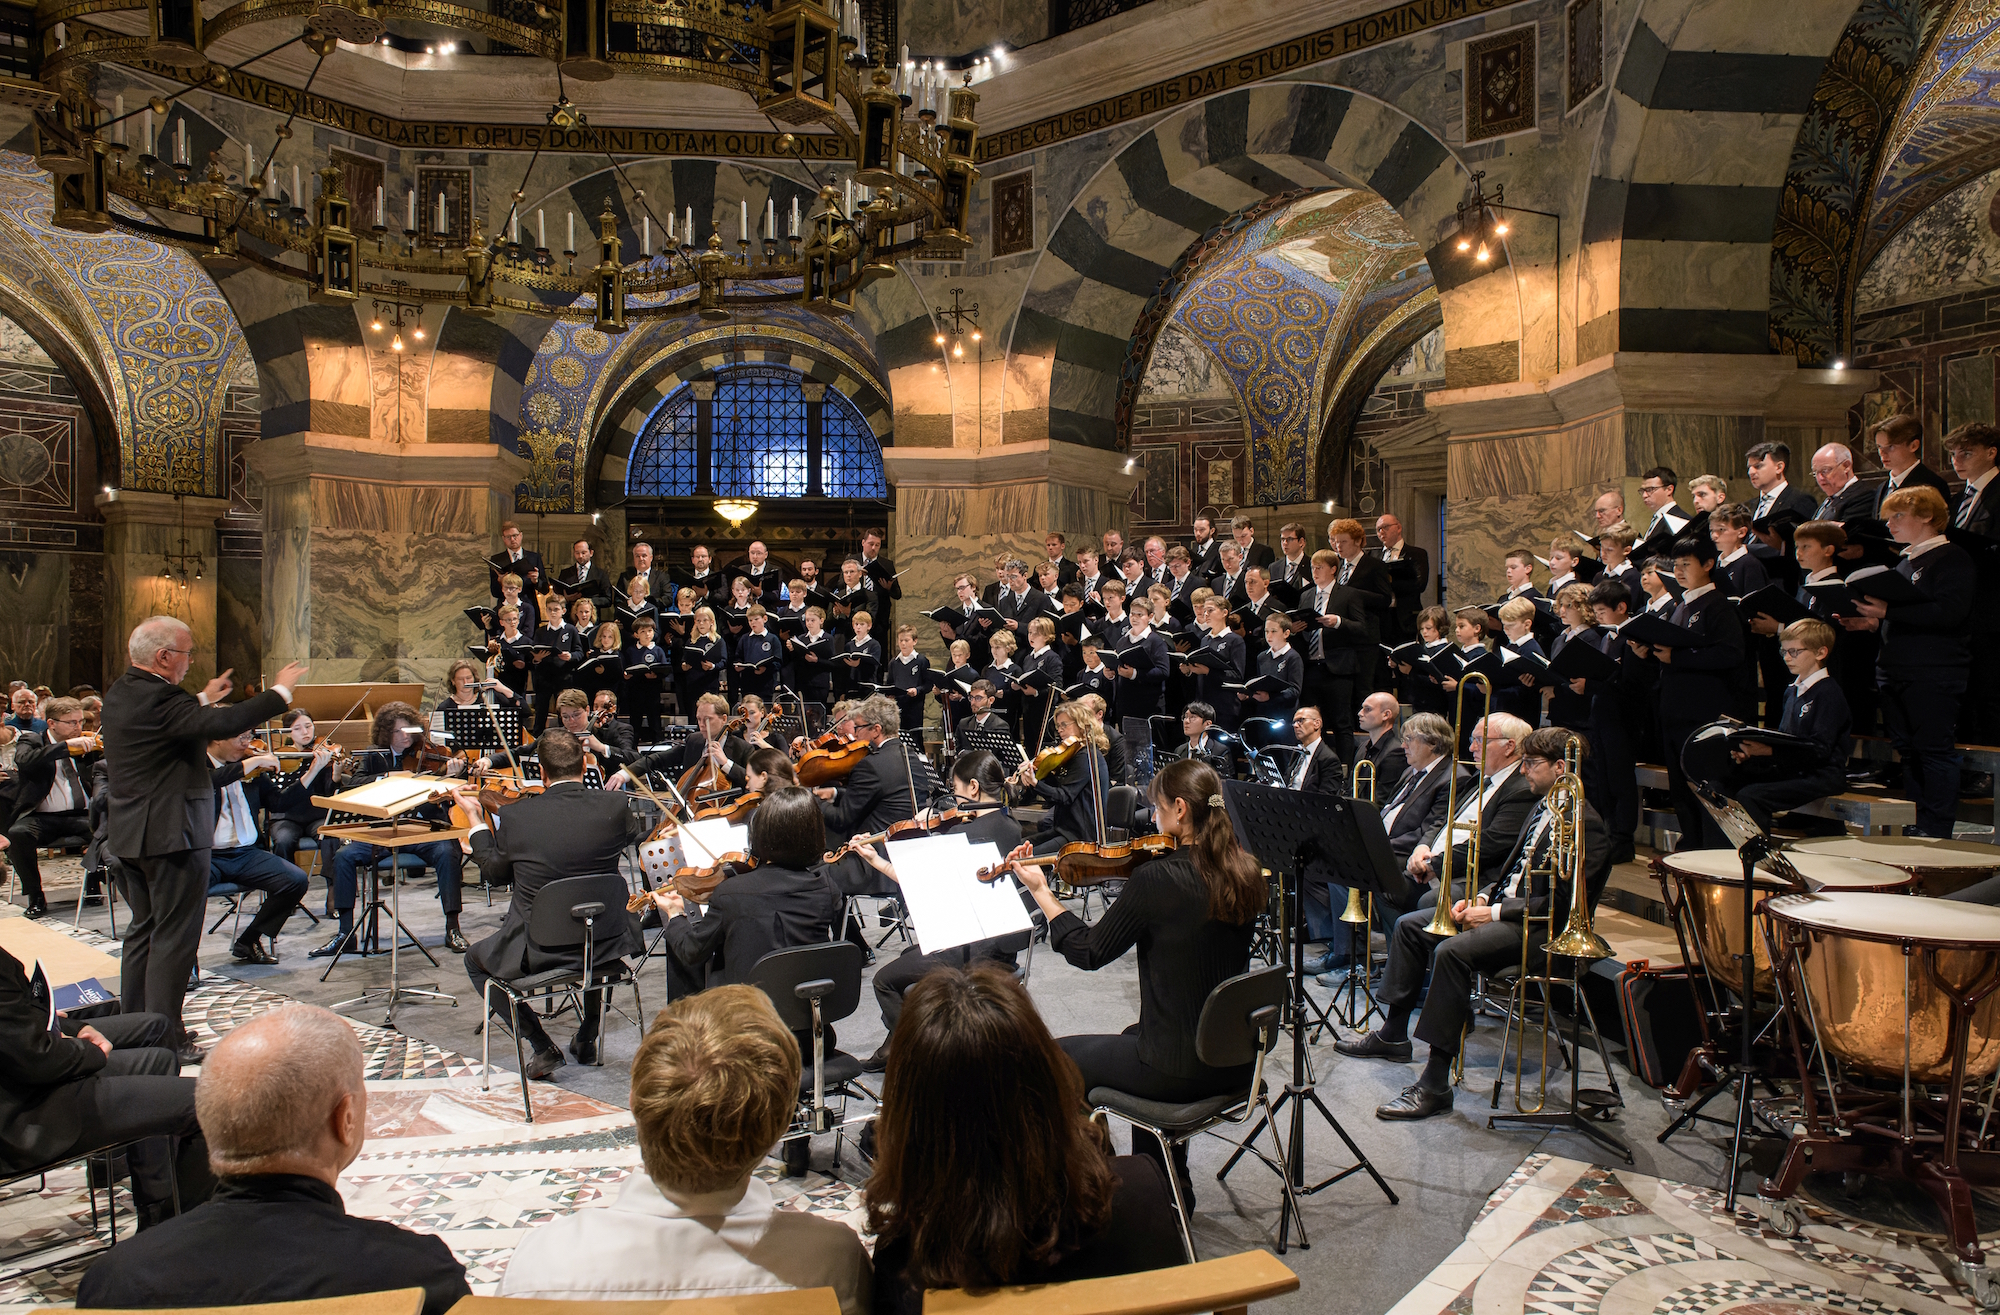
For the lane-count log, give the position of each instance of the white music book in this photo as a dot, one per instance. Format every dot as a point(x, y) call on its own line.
point(706, 840)
point(949, 905)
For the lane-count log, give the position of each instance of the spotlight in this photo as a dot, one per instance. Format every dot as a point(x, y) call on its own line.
point(1500, 227)
point(940, 340)
point(1840, 365)
point(1464, 245)
point(957, 350)
point(975, 335)
point(1482, 255)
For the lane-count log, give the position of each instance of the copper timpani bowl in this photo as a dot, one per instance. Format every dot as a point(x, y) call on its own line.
point(1941, 867)
point(1862, 969)
point(1711, 884)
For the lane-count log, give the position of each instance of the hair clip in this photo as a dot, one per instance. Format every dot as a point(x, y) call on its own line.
point(1215, 801)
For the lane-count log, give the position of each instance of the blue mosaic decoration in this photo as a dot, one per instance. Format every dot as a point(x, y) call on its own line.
point(148, 316)
point(760, 448)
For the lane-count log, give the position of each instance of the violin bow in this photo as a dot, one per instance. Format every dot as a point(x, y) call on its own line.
point(486, 702)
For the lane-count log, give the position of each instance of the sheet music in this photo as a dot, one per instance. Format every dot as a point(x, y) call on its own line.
point(949, 905)
point(710, 838)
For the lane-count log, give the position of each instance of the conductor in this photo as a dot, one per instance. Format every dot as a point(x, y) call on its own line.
point(162, 807)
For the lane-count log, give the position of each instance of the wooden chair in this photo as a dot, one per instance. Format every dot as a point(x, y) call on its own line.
point(804, 1301)
point(402, 1301)
point(1226, 1286)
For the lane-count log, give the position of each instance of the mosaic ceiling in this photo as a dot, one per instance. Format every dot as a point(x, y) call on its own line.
point(1284, 304)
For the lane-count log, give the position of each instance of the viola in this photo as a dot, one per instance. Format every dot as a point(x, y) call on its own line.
point(256, 747)
point(696, 884)
point(822, 766)
point(1090, 863)
point(733, 809)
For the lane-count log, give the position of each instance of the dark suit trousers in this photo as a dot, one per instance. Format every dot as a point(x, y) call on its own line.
point(139, 1094)
point(897, 976)
point(283, 884)
point(1452, 961)
point(1920, 713)
point(1334, 697)
point(168, 894)
point(1696, 830)
point(1763, 799)
point(43, 830)
point(532, 1033)
point(1609, 782)
point(1979, 719)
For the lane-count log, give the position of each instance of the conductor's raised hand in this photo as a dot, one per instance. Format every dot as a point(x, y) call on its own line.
point(218, 689)
point(291, 675)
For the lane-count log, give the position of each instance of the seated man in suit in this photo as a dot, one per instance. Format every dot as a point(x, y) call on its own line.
point(1490, 937)
point(237, 859)
point(728, 751)
point(1324, 773)
point(1415, 809)
point(76, 1086)
point(889, 785)
point(1379, 714)
point(713, 1086)
point(568, 830)
point(1497, 808)
point(1814, 709)
point(284, 1110)
point(51, 801)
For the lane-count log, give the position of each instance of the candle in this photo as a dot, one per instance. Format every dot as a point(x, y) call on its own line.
point(541, 231)
point(646, 236)
point(743, 221)
point(379, 220)
point(770, 217)
point(298, 192)
point(146, 133)
point(688, 236)
point(249, 163)
point(671, 219)
point(571, 244)
point(412, 225)
point(514, 226)
point(847, 196)
point(441, 225)
point(118, 115)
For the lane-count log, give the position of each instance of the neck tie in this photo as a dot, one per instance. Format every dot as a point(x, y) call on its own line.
point(1319, 607)
point(1346, 569)
point(78, 796)
point(1537, 835)
point(1791, 705)
point(1965, 508)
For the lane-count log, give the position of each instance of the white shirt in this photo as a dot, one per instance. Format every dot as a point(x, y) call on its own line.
point(1469, 809)
point(1673, 518)
point(1916, 550)
point(1771, 495)
point(1513, 887)
point(1804, 683)
point(646, 1245)
point(60, 798)
point(1823, 573)
point(1690, 595)
point(1731, 558)
point(1560, 581)
point(234, 824)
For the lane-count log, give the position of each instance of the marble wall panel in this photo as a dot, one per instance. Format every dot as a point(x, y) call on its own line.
point(1591, 453)
point(1690, 444)
point(35, 620)
point(135, 590)
point(90, 663)
point(239, 618)
point(287, 569)
point(1480, 532)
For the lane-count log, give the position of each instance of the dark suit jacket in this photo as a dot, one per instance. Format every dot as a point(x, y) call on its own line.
point(156, 739)
point(1409, 595)
point(531, 561)
point(878, 791)
point(1325, 773)
point(1259, 554)
point(1532, 896)
point(594, 586)
point(568, 830)
point(1855, 501)
point(751, 914)
point(1344, 649)
point(1698, 684)
point(1930, 637)
point(221, 1252)
point(1423, 810)
point(1206, 560)
point(658, 587)
point(1370, 578)
point(1390, 764)
point(36, 763)
point(1794, 499)
point(1500, 824)
point(1920, 475)
point(39, 1106)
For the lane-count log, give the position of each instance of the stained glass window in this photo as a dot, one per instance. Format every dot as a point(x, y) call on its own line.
point(761, 445)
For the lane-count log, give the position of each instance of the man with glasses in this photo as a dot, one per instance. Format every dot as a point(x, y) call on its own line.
point(1492, 928)
point(52, 799)
point(162, 807)
point(1814, 709)
point(1656, 489)
point(889, 785)
point(1844, 497)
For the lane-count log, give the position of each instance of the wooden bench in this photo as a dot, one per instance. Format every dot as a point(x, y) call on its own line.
point(402, 1301)
point(1978, 757)
point(802, 1301)
point(1226, 1286)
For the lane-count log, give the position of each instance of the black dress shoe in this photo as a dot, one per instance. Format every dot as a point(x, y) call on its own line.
point(1415, 1103)
point(339, 943)
point(584, 1048)
point(878, 1061)
point(251, 951)
point(542, 1061)
point(797, 1154)
point(454, 940)
point(189, 1053)
point(1370, 1045)
point(37, 908)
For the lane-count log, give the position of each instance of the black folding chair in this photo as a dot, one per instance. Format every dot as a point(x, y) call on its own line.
point(567, 913)
point(1239, 1023)
point(812, 986)
point(50, 1252)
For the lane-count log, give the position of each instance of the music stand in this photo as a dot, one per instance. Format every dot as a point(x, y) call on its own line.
point(1286, 830)
point(393, 834)
point(806, 722)
point(998, 741)
point(1140, 761)
point(469, 728)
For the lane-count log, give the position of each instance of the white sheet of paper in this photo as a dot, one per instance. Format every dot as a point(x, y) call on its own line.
point(704, 841)
point(949, 905)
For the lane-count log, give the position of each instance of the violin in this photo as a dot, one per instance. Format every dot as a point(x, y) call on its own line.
point(734, 809)
point(90, 744)
point(919, 826)
point(824, 765)
point(696, 884)
point(1055, 757)
point(1090, 863)
point(256, 747)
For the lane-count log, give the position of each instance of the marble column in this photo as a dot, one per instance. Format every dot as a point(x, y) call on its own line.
point(956, 508)
point(140, 531)
point(1524, 461)
point(372, 550)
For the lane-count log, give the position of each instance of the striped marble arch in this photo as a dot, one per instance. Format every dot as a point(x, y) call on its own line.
point(1123, 234)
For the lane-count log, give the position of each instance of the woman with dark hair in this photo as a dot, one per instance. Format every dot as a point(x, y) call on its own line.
point(783, 901)
point(1190, 912)
point(980, 784)
point(768, 770)
point(987, 1170)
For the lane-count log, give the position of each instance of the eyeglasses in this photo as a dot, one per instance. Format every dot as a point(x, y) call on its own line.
point(1652, 488)
point(1793, 652)
point(178, 652)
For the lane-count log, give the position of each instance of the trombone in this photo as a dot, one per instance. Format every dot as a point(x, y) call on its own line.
point(1363, 777)
point(1442, 923)
point(1565, 803)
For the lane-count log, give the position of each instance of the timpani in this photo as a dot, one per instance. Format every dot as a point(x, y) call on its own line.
point(1941, 867)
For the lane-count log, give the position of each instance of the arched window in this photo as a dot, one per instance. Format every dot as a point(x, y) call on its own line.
point(761, 445)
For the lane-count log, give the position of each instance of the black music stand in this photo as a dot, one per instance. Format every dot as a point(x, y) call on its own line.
point(1286, 831)
point(806, 722)
point(470, 728)
point(998, 741)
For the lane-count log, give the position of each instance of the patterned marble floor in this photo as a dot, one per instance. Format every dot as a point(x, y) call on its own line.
point(1561, 1237)
point(443, 1156)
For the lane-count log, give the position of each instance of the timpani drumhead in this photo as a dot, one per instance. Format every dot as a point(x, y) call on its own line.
point(1821, 871)
point(1865, 963)
point(1943, 867)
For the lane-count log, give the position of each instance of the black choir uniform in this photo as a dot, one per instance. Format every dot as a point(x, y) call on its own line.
point(1258, 554)
point(1739, 579)
point(858, 666)
point(812, 674)
point(1041, 680)
point(1979, 513)
point(880, 573)
point(1296, 573)
point(907, 674)
point(1101, 680)
point(1609, 769)
point(557, 671)
point(1369, 577)
point(513, 668)
point(1021, 609)
point(1336, 657)
point(658, 587)
point(1204, 558)
point(1568, 709)
point(710, 649)
point(1917, 476)
point(1813, 709)
point(1007, 697)
point(1399, 623)
point(589, 680)
point(1075, 795)
point(1510, 695)
point(755, 650)
point(764, 585)
point(1252, 614)
point(889, 785)
point(1142, 693)
point(590, 582)
point(839, 617)
point(1208, 688)
point(640, 703)
point(1422, 688)
point(1855, 502)
point(534, 576)
point(1229, 588)
point(1694, 688)
point(710, 586)
point(1922, 670)
point(1288, 667)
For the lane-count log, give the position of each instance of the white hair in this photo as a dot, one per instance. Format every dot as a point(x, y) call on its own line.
point(152, 635)
point(266, 1090)
point(1838, 451)
point(1508, 727)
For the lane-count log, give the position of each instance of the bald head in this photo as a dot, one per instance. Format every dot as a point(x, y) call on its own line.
point(1833, 467)
point(1378, 714)
point(283, 1094)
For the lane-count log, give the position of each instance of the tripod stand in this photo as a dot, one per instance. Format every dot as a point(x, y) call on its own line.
point(1572, 1118)
point(1287, 831)
point(395, 836)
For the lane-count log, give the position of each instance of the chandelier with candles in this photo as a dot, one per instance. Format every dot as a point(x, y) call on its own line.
point(908, 136)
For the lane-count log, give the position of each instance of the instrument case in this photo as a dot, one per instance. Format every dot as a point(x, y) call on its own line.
point(1661, 1015)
